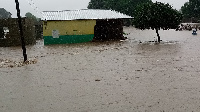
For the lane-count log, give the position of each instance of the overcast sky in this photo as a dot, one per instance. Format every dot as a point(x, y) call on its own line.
point(51, 5)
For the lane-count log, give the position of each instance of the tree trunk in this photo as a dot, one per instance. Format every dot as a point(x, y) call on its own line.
point(158, 35)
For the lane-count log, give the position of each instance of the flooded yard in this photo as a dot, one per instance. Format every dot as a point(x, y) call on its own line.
point(126, 76)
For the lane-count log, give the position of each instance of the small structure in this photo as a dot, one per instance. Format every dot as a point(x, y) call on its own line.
point(9, 32)
point(76, 26)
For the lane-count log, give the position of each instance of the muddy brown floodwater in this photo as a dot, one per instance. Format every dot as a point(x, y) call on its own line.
point(126, 76)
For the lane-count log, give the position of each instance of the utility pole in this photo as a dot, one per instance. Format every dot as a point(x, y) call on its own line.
point(21, 31)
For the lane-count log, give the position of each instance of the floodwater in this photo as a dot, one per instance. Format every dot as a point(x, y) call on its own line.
point(127, 76)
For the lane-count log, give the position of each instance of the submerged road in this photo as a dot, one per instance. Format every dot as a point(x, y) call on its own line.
point(125, 76)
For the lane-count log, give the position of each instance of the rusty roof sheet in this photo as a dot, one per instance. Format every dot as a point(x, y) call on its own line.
point(83, 14)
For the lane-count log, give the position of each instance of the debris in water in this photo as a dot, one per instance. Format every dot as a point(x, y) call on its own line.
point(4, 63)
point(97, 80)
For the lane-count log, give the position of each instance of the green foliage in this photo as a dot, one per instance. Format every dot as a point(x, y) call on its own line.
point(123, 6)
point(156, 16)
point(31, 16)
point(191, 9)
point(97, 4)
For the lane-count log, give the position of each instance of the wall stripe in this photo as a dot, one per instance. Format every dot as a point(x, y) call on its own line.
point(68, 39)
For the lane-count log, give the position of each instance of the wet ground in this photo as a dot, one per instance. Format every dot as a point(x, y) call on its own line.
point(127, 76)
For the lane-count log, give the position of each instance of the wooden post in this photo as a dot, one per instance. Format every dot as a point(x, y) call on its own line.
point(21, 31)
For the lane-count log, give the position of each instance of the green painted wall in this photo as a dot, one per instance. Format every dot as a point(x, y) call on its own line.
point(68, 39)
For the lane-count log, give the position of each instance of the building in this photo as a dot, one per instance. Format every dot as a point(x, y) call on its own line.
point(10, 35)
point(76, 26)
point(4, 14)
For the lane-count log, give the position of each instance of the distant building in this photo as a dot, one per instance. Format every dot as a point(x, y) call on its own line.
point(76, 26)
point(4, 14)
point(10, 35)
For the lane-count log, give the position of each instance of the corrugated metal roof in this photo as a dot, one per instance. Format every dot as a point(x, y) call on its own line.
point(83, 14)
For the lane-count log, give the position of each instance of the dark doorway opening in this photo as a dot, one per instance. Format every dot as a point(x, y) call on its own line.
point(109, 29)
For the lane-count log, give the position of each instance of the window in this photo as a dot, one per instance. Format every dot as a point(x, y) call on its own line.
point(55, 33)
point(4, 31)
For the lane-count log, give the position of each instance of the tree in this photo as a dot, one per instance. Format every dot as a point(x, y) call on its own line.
point(97, 4)
point(156, 16)
point(31, 16)
point(123, 6)
point(191, 9)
